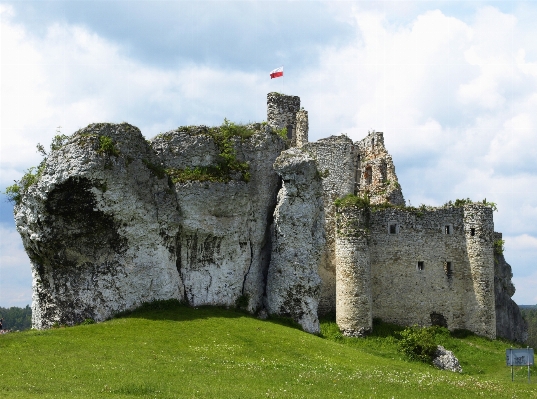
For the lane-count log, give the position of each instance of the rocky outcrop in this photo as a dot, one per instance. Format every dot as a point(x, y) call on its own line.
point(509, 321)
point(107, 227)
point(224, 243)
point(446, 360)
point(100, 228)
point(293, 286)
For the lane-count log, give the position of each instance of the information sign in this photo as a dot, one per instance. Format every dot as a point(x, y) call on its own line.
point(519, 357)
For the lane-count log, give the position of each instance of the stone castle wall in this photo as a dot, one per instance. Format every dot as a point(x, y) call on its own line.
point(354, 313)
point(428, 269)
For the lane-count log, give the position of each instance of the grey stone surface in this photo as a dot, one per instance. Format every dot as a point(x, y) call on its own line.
point(509, 321)
point(335, 159)
point(446, 360)
point(463, 293)
point(293, 284)
point(375, 171)
point(224, 243)
point(354, 313)
point(100, 229)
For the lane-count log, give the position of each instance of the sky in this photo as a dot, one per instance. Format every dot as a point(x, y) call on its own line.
point(453, 86)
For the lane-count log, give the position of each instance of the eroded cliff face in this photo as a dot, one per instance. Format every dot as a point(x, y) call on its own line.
point(509, 321)
point(100, 228)
point(107, 228)
point(224, 243)
point(294, 285)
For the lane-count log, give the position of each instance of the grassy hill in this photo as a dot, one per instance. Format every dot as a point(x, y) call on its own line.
point(174, 351)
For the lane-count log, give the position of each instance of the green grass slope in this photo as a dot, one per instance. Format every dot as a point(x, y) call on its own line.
point(182, 352)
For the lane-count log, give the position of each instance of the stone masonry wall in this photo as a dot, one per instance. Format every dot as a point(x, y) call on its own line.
point(335, 158)
point(376, 172)
point(282, 113)
point(353, 272)
point(453, 285)
point(302, 128)
point(480, 305)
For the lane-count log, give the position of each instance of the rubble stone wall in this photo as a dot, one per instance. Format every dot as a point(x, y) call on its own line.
point(453, 285)
point(353, 273)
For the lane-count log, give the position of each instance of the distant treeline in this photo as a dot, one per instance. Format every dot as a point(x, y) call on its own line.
point(16, 318)
point(529, 313)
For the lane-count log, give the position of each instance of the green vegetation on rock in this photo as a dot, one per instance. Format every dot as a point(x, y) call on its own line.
point(227, 164)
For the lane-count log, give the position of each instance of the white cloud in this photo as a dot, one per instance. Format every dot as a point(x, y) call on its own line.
point(455, 99)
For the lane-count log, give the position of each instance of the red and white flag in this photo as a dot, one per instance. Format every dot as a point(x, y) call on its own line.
point(276, 73)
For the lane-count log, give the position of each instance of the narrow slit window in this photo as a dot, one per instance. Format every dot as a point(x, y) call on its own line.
point(472, 232)
point(289, 132)
point(447, 229)
point(448, 268)
point(372, 142)
point(421, 265)
point(393, 228)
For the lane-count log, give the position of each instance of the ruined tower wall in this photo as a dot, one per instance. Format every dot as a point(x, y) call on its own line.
point(480, 246)
point(282, 113)
point(302, 128)
point(376, 172)
point(353, 273)
point(451, 285)
point(335, 158)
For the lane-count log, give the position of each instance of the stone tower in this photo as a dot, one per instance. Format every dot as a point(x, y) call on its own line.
point(354, 314)
point(479, 231)
point(284, 112)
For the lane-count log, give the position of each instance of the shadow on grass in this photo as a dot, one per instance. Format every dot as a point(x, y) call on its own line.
point(175, 310)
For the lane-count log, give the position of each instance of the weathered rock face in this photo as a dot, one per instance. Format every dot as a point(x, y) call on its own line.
point(293, 286)
point(509, 321)
point(224, 243)
point(106, 229)
point(100, 228)
point(446, 360)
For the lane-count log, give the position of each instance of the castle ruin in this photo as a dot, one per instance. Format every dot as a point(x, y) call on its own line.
point(106, 232)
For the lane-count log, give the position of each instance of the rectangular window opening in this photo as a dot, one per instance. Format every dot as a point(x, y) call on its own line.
point(447, 229)
point(472, 232)
point(448, 267)
point(393, 228)
point(420, 265)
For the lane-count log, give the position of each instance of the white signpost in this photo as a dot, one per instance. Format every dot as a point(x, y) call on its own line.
point(519, 357)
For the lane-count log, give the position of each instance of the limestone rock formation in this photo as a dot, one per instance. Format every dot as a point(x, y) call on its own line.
point(100, 228)
point(509, 321)
point(446, 360)
point(106, 229)
point(293, 285)
point(224, 243)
